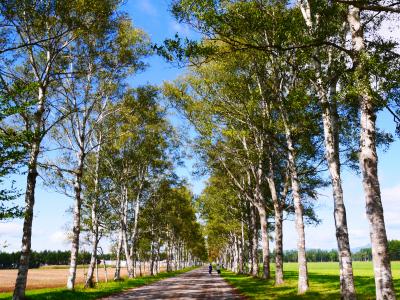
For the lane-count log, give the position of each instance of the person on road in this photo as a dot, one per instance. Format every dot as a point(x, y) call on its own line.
point(209, 269)
point(218, 269)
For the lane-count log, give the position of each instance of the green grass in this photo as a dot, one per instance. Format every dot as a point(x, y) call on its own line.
point(101, 290)
point(323, 279)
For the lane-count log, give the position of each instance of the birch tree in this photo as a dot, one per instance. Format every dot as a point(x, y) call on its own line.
point(324, 26)
point(45, 29)
point(99, 66)
point(240, 98)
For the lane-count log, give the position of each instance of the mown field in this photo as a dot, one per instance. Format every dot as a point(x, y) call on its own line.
point(55, 276)
point(323, 278)
point(101, 290)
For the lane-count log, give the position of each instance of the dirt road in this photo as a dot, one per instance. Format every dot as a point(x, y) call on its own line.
point(196, 284)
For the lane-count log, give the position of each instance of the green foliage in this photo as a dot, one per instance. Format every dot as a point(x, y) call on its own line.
point(221, 210)
point(394, 250)
point(13, 144)
point(170, 216)
point(365, 254)
point(313, 255)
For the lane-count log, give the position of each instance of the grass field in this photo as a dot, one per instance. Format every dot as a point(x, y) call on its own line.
point(323, 279)
point(101, 290)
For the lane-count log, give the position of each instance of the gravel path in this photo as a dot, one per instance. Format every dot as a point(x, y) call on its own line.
point(196, 284)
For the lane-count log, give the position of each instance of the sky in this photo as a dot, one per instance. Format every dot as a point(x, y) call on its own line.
point(52, 219)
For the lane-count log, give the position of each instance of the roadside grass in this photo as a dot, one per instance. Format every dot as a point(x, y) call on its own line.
point(323, 280)
point(101, 290)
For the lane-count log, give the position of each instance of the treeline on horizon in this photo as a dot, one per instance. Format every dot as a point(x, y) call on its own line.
point(321, 255)
point(10, 260)
point(57, 257)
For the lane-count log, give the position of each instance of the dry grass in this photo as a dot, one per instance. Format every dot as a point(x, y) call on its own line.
point(50, 278)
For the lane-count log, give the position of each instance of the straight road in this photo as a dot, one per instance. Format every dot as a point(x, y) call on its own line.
point(196, 284)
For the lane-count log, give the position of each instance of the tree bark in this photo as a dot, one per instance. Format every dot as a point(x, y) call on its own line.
point(77, 223)
point(105, 270)
point(134, 231)
point(369, 165)
point(128, 257)
point(241, 248)
point(298, 208)
point(235, 254)
point(129, 262)
point(168, 251)
point(278, 215)
point(117, 274)
point(254, 253)
point(152, 258)
point(93, 260)
point(158, 256)
point(278, 245)
point(20, 283)
point(140, 266)
point(264, 240)
point(95, 221)
point(331, 140)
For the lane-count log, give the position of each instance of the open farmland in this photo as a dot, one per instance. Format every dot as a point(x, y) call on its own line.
point(51, 277)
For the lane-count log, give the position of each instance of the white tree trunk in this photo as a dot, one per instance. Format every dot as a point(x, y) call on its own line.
point(128, 257)
point(117, 274)
point(332, 156)
point(105, 270)
point(298, 208)
point(93, 260)
point(168, 251)
point(20, 283)
point(342, 236)
point(264, 240)
point(254, 243)
point(241, 249)
point(76, 229)
point(278, 245)
point(152, 258)
point(369, 166)
point(278, 215)
point(134, 231)
point(235, 254)
point(95, 221)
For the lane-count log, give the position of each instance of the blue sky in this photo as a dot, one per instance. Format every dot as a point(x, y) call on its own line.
point(51, 219)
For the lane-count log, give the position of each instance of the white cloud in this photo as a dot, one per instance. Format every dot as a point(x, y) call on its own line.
point(392, 218)
point(59, 237)
point(147, 7)
point(358, 235)
point(391, 196)
point(11, 229)
point(182, 29)
point(391, 201)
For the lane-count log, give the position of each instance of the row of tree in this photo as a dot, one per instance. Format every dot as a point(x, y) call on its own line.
point(363, 254)
point(68, 115)
point(58, 258)
point(42, 258)
point(279, 93)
